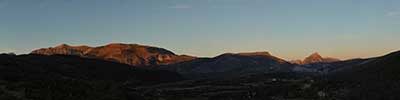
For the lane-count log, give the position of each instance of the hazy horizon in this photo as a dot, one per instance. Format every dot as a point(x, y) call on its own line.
point(277, 54)
point(288, 29)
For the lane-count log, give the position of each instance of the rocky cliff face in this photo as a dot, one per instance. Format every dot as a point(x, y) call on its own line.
point(132, 54)
point(63, 49)
point(315, 58)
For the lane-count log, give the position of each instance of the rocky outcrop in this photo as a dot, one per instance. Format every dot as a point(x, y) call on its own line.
point(315, 58)
point(132, 54)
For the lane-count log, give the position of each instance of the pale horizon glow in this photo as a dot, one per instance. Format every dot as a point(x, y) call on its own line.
point(288, 29)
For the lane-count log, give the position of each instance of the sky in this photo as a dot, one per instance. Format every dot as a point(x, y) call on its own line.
point(290, 29)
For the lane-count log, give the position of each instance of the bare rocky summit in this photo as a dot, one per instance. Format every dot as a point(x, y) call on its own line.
point(315, 58)
point(132, 54)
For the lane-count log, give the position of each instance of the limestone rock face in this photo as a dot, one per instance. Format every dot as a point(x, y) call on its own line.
point(314, 58)
point(63, 50)
point(132, 54)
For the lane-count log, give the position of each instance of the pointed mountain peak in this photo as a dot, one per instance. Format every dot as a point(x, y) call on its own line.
point(316, 54)
point(313, 58)
point(317, 58)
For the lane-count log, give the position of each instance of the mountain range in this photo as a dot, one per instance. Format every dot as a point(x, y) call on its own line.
point(228, 64)
point(131, 71)
point(141, 55)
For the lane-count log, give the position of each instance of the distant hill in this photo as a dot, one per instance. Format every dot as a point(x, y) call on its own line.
point(232, 64)
point(132, 54)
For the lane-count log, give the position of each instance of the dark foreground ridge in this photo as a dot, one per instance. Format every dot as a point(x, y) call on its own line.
point(38, 77)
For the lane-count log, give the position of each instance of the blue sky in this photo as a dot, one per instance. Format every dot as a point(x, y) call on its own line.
point(290, 29)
